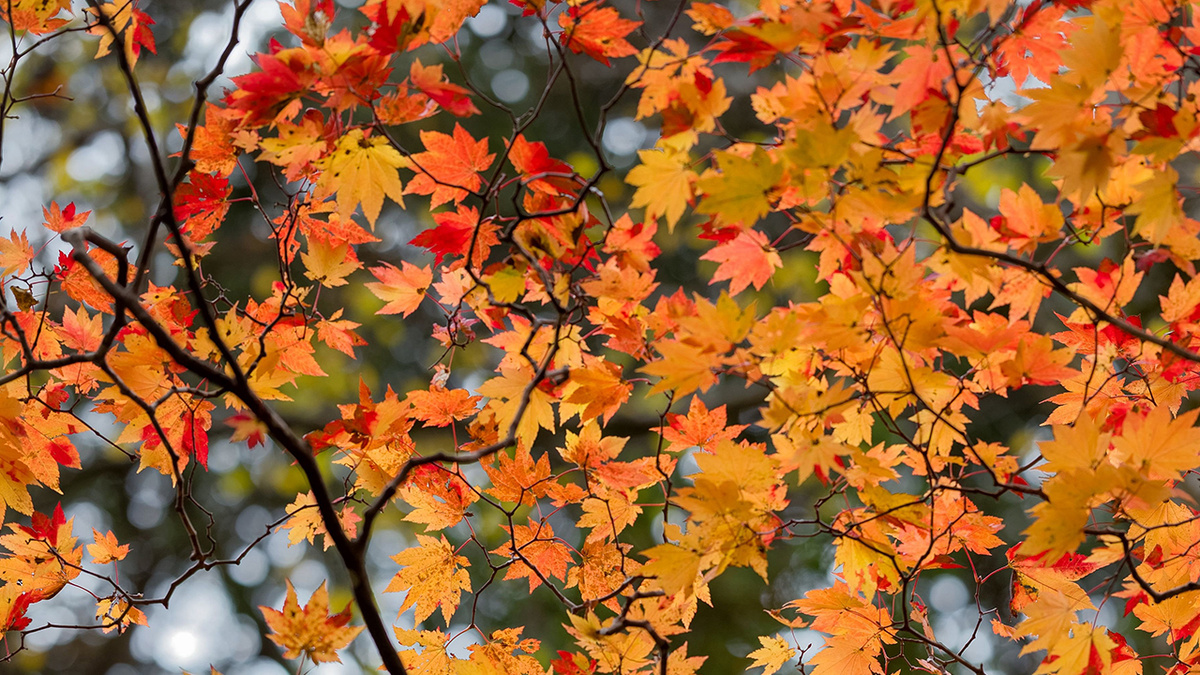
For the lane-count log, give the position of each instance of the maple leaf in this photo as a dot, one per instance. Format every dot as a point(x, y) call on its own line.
point(310, 630)
point(772, 655)
point(599, 571)
point(533, 161)
point(297, 147)
point(450, 166)
point(117, 613)
point(608, 517)
point(45, 555)
point(433, 576)
point(14, 602)
point(329, 262)
point(305, 521)
point(106, 549)
point(15, 253)
point(61, 220)
point(1159, 209)
point(664, 183)
point(402, 288)
point(440, 407)
point(700, 427)
point(123, 18)
point(536, 553)
point(520, 479)
point(439, 498)
point(858, 631)
point(453, 235)
point(597, 390)
point(1033, 48)
point(433, 657)
point(363, 171)
point(450, 97)
point(247, 427)
point(740, 193)
point(683, 368)
point(216, 143)
point(507, 392)
point(597, 31)
point(201, 204)
point(675, 569)
point(1159, 445)
point(36, 16)
point(339, 334)
point(748, 259)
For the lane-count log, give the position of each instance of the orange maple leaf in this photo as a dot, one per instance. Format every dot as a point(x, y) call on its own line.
point(310, 630)
point(449, 96)
point(402, 289)
point(547, 555)
point(597, 31)
point(106, 549)
point(596, 390)
point(747, 259)
point(15, 253)
point(36, 16)
point(439, 407)
point(449, 168)
point(519, 479)
point(61, 220)
point(439, 498)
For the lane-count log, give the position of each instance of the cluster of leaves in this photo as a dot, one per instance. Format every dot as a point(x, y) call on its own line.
point(873, 119)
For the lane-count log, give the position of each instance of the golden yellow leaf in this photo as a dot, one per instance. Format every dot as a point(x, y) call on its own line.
point(775, 652)
point(664, 183)
point(433, 576)
point(362, 171)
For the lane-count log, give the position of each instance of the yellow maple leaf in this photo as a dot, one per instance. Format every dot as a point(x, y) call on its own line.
point(1160, 208)
point(434, 657)
point(433, 575)
point(305, 521)
point(328, 261)
point(1159, 446)
point(664, 183)
point(675, 569)
point(310, 630)
point(739, 192)
point(118, 613)
point(15, 253)
point(775, 652)
point(361, 171)
point(683, 368)
point(506, 393)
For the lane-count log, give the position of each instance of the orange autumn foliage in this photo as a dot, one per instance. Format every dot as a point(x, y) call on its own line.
point(940, 208)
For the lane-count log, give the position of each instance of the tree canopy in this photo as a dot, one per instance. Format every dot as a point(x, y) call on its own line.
point(603, 336)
